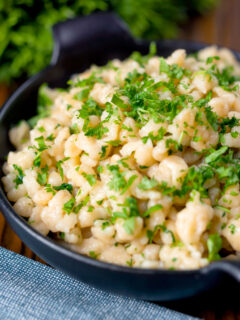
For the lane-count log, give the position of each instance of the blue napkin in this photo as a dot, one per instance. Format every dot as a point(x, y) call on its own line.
point(30, 290)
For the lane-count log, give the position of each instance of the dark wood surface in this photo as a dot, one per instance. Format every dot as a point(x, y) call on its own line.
point(222, 27)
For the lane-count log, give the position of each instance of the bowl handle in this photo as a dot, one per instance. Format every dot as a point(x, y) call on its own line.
point(87, 33)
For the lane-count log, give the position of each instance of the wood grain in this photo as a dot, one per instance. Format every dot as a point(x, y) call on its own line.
point(221, 27)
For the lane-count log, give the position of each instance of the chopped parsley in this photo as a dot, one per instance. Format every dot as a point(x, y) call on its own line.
point(163, 228)
point(130, 262)
point(147, 184)
point(117, 182)
point(91, 178)
point(41, 144)
point(74, 129)
point(105, 224)
point(129, 225)
point(59, 166)
point(93, 254)
point(214, 244)
point(152, 209)
point(154, 138)
point(232, 228)
point(64, 186)
point(216, 154)
point(50, 137)
point(62, 235)
point(19, 177)
point(128, 213)
point(42, 176)
point(68, 206)
point(129, 183)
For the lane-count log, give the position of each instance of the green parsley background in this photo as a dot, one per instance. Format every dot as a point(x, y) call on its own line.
point(25, 26)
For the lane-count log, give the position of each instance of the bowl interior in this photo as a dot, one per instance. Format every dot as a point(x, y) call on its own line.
point(22, 104)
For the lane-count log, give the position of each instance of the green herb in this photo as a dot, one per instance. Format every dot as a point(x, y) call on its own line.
point(42, 176)
point(129, 183)
point(210, 59)
point(223, 226)
point(143, 167)
point(234, 134)
point(100, 169)
point(147, 184)
point(91, 178)
point(19, 177)
point(232, 228)
point(31, 221)
point(158, 137)
point(130, 262)
point(93, 255)
point(129, 129)
point(87, 82)
point(215, 155)
point(41, 129)
point(83, 203)
point(103, 153)
point(129, 225)
point(151, 234)
point(214, 244)
point(64, 186)
point(144, 59)
point(90, 209)
point(173, 144)
point(117, 182)
point(62, 235)
point(49, 188)
point(123, 163)
point(74, 129)
point(144, 102)
point(114, 143)
point(97, 131)
point(129, 211)
point(105, 224)
point(50, 137)
point(59, 166)
point(212, 118)
point(152, 209)
point(82, 95)
point(68, 206)
point(119, 102)
point(164, 67)
point(90, 107)
point(41, 144)
point(37, 160)
point(222, 208)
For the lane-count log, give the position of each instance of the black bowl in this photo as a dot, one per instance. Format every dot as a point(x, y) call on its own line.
point(78, 44)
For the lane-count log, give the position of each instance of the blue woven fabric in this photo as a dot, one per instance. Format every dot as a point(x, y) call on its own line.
point(30, 290)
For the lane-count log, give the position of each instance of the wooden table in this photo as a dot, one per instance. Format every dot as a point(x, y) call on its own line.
point(222, 27)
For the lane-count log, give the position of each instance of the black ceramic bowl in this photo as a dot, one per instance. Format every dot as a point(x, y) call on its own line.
point(78, 44)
